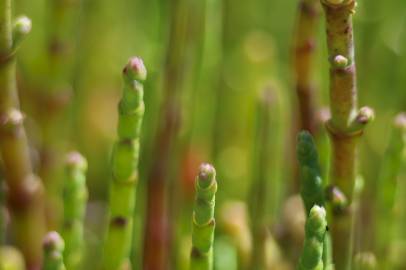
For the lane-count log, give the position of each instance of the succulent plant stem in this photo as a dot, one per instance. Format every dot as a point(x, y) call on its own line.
point(304, 50)
point(53, 246)
point(125, 156)
point(25, 190)
point(347, 121)
point(203, 219)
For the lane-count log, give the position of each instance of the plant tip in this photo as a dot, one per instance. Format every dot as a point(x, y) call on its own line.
point(53, 241)
point(23, 24)
point(365, 115)
point(75, 160)
point(400, 120)
point(206, 172)
point(135, 68)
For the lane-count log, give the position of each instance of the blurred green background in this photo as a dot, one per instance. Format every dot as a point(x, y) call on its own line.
point(233, 50)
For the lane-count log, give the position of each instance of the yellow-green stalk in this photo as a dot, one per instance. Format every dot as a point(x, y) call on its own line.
point(201, 257)
point(74, 208)
point(117, 244)
point(11, 259)
point(347, 121)
point(24, 188)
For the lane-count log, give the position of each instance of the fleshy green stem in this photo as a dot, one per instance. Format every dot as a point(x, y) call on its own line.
point(347, 122)
point(304, 48)
point(24, 188)
point(392, 164)
point(125, 155)
point(74, 200)
point(312, 190)
point(53, 246)
point(203, 219)
point(259, 196)
point(315, 230)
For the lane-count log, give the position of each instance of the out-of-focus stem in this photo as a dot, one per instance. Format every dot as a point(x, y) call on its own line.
point(157, 231)
point(11, 259)
point(347, 122)
point(24, 188)
point(74, 197)
point(53, 246)
point(304, 50)
point(260, 184)
point(54, 99)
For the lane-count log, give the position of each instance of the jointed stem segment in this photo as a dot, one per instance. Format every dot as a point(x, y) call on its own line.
point(315, 230)
point(74, 197)
point(203, 219)
point(24, 189)
point(124, 167)
point(346, 123)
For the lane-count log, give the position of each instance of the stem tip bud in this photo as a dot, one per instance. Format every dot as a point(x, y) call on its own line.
point(135, 69)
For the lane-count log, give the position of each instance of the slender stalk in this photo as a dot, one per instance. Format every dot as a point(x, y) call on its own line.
point(11, 259)
point(24, 188)
point(201, 257)
point(54, 100)
point(157, 241)
point(53, 246)
point(347, 122)
point(392, 164)
point(125, 157)
point(304, 50)
point(315, 230)
point(262, 157)
point(74, 200)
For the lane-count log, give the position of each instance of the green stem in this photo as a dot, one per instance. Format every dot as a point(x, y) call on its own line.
point(203, 219)
point(262, 158)
point(304, 49)
point(125, 157)
point(315, 230)
point(74, 198)
point(54, 100)
point(392, 164)
point(347, 122)
point(24, 188)
point(53, 246)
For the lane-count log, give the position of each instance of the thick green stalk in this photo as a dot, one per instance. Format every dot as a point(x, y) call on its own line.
point(201, 257)
point(312, 189)
point(24, 188)
point(53, 246)
point(74, 205)
point(11, 259)
point(392, 164)
point(259, 196)
point(315, 230)
point(347, 122)
point(125, 156)
point(304, 50)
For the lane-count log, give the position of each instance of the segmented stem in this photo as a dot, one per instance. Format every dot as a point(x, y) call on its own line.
point(203, 219)
point(53, 246)
point(304, 49)
point(315, 230)
point(312, 190)
point(347, 122)
point(125, 156)
point(74, 201)
point(24, 188)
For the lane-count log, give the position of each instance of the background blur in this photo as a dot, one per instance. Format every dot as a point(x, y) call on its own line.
point(228, 53)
